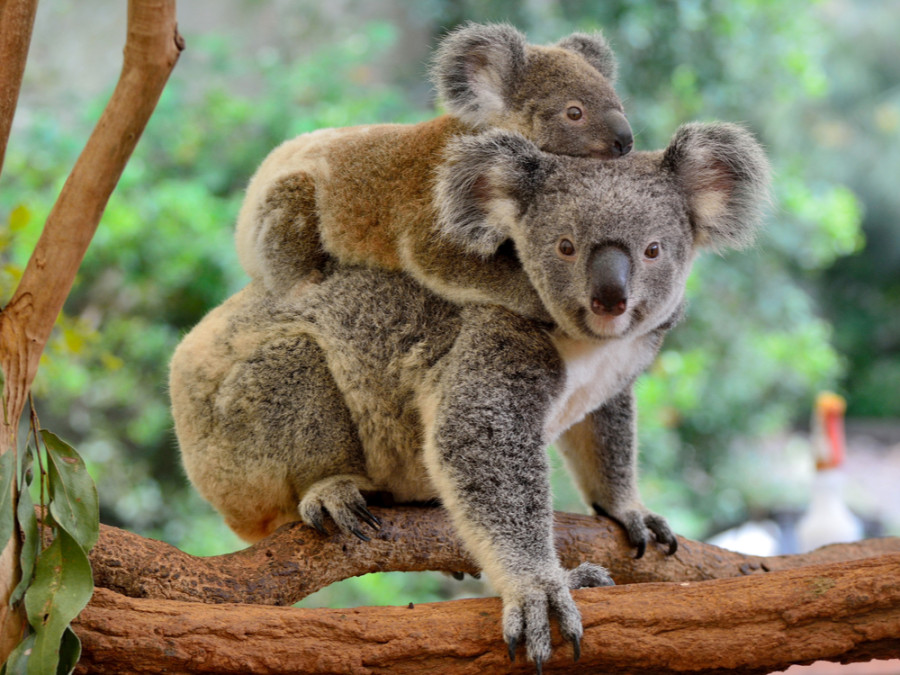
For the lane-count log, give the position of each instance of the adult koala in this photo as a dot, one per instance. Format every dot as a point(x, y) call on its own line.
point(288, 408)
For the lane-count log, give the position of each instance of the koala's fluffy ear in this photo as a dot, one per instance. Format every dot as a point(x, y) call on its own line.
point(484, 184)
point(594, 49)
point(725, 176)
point(474, 69)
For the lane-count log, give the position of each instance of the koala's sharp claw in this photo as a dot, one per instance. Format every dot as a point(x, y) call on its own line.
point(539, 663)
point(576, 648)
point(477, 575)
point(359, 534)
point(511, 645)
point(320, 527)
point(367, 516)
point(673, 546)
point(641, 547)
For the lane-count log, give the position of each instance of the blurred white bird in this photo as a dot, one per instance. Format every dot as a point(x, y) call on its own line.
point(828, 520)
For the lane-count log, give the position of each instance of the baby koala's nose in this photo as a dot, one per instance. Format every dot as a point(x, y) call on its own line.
point(610, 268)
point(623, 139)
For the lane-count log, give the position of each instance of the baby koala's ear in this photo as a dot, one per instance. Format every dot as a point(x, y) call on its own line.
point(474, 69)
point(483, 186)
point(725, 176)
point(594, 49)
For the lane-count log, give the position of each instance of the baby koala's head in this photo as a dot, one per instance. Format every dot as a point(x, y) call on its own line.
point(560, 96)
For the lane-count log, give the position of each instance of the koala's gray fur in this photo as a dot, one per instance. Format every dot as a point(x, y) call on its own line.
point(290, 407)
point(363, 195)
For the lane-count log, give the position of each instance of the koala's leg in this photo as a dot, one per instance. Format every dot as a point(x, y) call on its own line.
point(288, 248)
point(294, 452)
point(601, 451)
point(484, 450)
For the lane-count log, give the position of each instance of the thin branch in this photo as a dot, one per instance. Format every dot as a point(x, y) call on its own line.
point(16, 24)
point(755, 624)
point(296, 561)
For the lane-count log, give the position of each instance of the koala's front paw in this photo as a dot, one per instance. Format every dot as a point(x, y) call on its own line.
point(527, 612)
point(341, 498)
point(638, 524)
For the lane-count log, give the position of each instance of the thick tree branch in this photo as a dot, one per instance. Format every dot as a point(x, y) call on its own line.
point(753, 624)
point(151, 50)
point(16, 23)
point(296, 561)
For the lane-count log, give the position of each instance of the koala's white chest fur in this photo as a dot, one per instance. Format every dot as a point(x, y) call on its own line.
point(595, 372)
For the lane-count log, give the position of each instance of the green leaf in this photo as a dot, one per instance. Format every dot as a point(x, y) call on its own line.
point(69, 652)
point(73, 496)
point(61, 588)
point(17, 662)
point(7, 487)
point(29, 526)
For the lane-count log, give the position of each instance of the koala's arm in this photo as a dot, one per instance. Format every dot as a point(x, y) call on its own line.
point(484, 449)
point(464, 277)
point(601, 450)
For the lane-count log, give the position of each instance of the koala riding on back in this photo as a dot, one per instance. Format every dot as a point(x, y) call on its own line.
point(292, 407)
point(363, 195)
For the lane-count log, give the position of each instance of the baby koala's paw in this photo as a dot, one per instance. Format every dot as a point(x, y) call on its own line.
point(639, 523)
point(589, 575)
point(340, 497)
point(527, 611)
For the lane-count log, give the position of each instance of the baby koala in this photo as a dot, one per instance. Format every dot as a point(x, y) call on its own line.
point(295, 407)
point(364, 195)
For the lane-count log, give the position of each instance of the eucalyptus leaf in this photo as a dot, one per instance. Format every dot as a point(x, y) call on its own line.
point(17, 662)
point(73, 495)
point(69, 652)
point(61, 588)
point(7, 488)
point(28, 525)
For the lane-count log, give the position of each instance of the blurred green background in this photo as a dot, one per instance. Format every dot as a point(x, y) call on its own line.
point(816, 304)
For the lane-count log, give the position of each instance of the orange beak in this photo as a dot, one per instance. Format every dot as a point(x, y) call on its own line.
point(830, 408)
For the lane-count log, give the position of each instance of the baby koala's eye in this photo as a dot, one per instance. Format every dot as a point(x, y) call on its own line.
point(652, 250)
point(574, 113)
point(566, 248)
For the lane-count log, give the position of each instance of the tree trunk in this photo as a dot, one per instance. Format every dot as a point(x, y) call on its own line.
point(752, 624)
point(151, 50)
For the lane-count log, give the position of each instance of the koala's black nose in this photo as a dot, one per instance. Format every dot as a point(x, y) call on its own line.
point(623, 139)
point(610, 269)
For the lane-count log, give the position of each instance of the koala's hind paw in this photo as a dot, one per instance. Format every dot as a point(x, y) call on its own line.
point(638, 525)
point(526, 618)
point(339, 496)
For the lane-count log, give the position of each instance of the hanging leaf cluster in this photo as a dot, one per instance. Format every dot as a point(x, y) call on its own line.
point(56, 581)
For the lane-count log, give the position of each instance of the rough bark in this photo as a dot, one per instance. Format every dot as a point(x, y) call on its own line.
point(151, 50)
point(296, 561)
point(752, 624)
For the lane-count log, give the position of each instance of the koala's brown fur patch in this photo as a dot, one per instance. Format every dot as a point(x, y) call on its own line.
point(391, 194)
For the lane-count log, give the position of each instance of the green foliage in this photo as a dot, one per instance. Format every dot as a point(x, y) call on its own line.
point(56, 581)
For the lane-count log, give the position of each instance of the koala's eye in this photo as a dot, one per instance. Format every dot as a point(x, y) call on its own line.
point(566, 248)
point(652, 250)
point(574, 113)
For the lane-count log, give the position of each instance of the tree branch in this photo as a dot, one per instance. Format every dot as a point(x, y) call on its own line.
point(296, 561)
point(151, 50)
point(16, 23)
point(753, 624)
